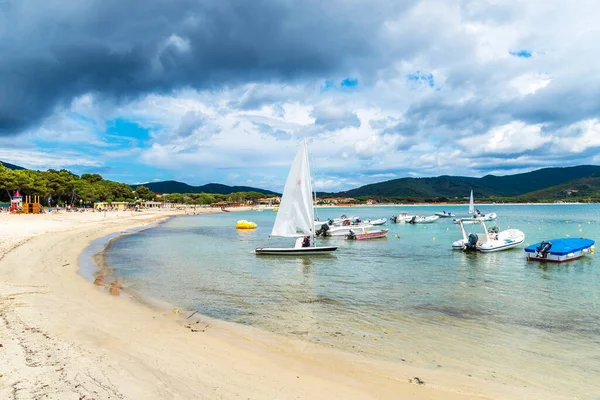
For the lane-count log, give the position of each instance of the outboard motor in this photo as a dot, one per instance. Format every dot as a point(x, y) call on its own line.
point(413, 220)
point(351, 235)
point(394, 219)
point(471, 242)
point(543, 249)
point(330, 221)
point(324, 231)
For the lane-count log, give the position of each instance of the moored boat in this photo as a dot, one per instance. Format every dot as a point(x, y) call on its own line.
point(444, 214)
point(327, 230)
point(379, 221)
point(400, 218)
point(422, 219)
point(487, 240)
point(560, 250)
point(367, 235)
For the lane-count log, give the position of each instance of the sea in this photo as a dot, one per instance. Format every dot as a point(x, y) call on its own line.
point(408, 298)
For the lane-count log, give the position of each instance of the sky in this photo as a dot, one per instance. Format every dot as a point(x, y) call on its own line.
point(224, 91)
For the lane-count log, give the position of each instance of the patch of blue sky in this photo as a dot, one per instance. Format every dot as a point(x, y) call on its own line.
point(345, 84)
point(422, 78)
point(122, 131)
point(328, 85)
point(521, 53)
point(349, 83)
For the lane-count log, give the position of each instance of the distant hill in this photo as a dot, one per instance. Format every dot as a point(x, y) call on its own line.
point(11, 166)
point(213, 188)
point(460, 186)
point(588, 187)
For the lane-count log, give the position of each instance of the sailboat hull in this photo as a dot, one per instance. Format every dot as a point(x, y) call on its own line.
point(300, 251)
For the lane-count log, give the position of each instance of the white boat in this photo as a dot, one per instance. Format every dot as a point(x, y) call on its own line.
point(296, 214)
point(487, 240)
point(444, 214)
point(422, 219)
point(341, 231)
point(477, 216)
point(379, 221)
point(401, 218)
point(344, 220)
point(471, 204)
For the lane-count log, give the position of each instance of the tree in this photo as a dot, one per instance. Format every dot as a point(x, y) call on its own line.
point(144, 193)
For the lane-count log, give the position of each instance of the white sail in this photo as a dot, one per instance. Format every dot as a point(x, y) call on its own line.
point(296, 215)
point(471, 204)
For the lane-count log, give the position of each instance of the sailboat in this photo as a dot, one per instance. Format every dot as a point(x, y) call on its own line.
point(296, 215)
point(478, 216)
point(471, 204)
point(471, 211)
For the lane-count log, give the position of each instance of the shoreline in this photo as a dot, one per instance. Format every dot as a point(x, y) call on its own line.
point(63, 336)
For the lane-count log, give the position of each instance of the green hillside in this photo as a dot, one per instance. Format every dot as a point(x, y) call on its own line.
point(582, 189)
point(459, 186)
point(11, 166)
point(184, 188)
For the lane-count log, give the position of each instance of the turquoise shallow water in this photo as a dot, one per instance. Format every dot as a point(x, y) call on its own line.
point(408, 298)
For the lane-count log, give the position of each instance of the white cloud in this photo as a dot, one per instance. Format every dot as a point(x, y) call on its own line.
point(484, 106)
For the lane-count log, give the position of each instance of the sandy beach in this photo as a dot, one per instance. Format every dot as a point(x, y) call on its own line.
point(62, 337)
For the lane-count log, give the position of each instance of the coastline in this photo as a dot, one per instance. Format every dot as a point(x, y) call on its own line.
point(64, 337)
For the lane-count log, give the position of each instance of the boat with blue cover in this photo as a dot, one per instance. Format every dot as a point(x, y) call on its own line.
point(560, 250)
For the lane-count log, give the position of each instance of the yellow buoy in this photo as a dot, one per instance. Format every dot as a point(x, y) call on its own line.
point(433, 238)
point(567, 235)
point(243, 224)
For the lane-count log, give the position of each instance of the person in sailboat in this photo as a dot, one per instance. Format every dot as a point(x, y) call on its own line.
point(306, 241)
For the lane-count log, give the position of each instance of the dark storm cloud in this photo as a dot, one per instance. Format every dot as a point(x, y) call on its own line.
point(53, 51)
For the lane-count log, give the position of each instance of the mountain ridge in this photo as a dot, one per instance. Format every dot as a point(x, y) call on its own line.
point(12, 166)
point(213, 188)
point(460, 186)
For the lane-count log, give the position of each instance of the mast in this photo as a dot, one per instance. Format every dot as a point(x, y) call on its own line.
point(313, 238)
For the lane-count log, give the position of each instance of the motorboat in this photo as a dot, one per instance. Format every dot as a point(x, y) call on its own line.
point(477, 216)
point(296, 214)
point(487, 240)
point(400, 218)
point(327, 230)
point(445, 214)
point(423, 219)
point(344, 220)
point(560, 250)
point(379, 221)
point(367, 235)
